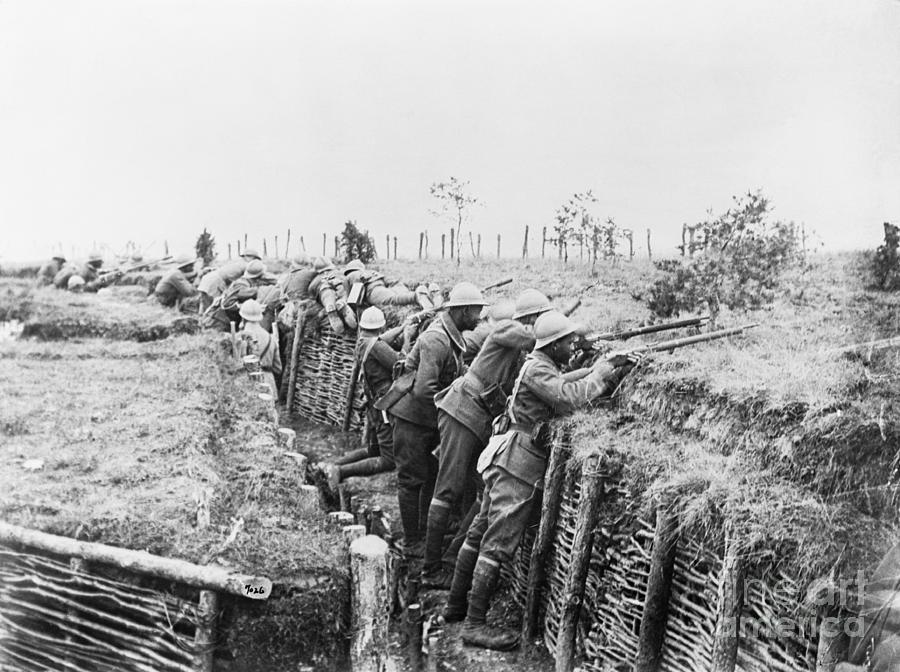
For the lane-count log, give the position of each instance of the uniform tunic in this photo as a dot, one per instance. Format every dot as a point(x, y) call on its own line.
point(173, 286)
point(257, 341)
point(377, 369)
point(215, 282)
point(296, 283)
point(377, 292)
point(514, 481)
point(48, 272)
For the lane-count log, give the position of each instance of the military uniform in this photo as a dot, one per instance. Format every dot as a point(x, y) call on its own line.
point(378, 355)
point(244, 288)
point(172, 287)
point(434, 362)
point(465, 412)
point(49, 270)
point(295, 284)
point(377, 293)
point(213, 284)
point(329, 289)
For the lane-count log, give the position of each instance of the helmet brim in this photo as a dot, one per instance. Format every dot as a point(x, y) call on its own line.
point(533, 311)
point(544, 342)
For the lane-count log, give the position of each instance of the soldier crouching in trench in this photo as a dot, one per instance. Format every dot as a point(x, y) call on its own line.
point(513, 467)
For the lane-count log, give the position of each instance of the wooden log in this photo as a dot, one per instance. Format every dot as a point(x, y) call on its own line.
point(308, 498)
point(525, 244)
point(729, 601)
point(414, 636)
point(833, 644)
point(552, 498)
point(295, 351)
point(573, 588)
point(205, 635)
point(421, 243)
point(208, 577)
point(369, 605)
point(287, 438)
point(659, 583)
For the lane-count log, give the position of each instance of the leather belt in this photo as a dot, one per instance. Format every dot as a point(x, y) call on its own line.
point(519, 427)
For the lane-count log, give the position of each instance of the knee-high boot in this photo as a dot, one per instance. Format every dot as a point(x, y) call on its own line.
point(457, 601)
point(476, 631)
point(438, 521)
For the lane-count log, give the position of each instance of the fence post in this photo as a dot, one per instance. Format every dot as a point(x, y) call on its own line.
point(287, 244)
point(472, 244)
point(683, 239)
point(265, 249)
point(498, 245)
point(479, 246)
point(205, 635)
point(277, 256)
point(395, 248)
point(525, 244)
point(421, 243)
point(387, 247)
point(659, 584)
point(229, 250)
point(426, 244)
point(239, 247)
point(443, 243)
point(582, 543)
point(729, 600)
point(302, 244)
point(543, 241)
point(630, 245)
point(649, 251)
point(245, 241)
point(165, 247)
point(452, 242)
point(369, 606)
point(691, 242)
point(324, 244)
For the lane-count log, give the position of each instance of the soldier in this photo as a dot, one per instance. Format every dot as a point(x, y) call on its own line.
point(176, 286)
point(465, 412)
point(213, 284)
point(377, 352)
point(295, 284)
point(329, 290)
point(88, 271)
point(434, 362)
point(225, 309)
point(375, 292)
point(515, 460)
point(256, 340)
point(50, 269)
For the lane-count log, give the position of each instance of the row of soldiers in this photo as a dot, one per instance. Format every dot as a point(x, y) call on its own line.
point(460, 410)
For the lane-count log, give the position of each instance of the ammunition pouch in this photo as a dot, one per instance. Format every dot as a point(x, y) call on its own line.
point(357, 294)
point(493, 398)
point(398, 390)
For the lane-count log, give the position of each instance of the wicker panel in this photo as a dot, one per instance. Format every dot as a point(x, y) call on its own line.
point(324, 367)
point(691, 622)
point(53, 617)
point(762, 647)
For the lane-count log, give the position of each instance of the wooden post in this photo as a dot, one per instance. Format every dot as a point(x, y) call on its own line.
point(351, 393)
point(479, 246)
point(265, 249)
point(337, 247)
point(295, 350)
point(245, 241)
point(543, 241)
point(553, 490)
point(421, 243)
point(340, 519)
point(452, 242)
point(287, 244)
point(287, 438)
point(414, 636)
point(426, 244)
point(205, 635)
point(443, 243)
point(833, 643)
point(165, 247)
point(683, 239)
point(277, 256)
point(573, 588)
point(395, 248)
point(729, 600)
point(229, 250)
point(369, 605)
point(387, 247)
point(649, 251)
point(498, 245)
point(659, 583)
point(324, 244)
point(691, 231)
point(308, 498)
point(631, 245)
point(472, 245)
point(353, 532)
point(302, 244)
point(525, 244)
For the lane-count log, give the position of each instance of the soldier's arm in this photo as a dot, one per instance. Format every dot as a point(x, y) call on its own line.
point(432, 351)
point(384, 354)
point(393, 337)
point(184, 286)
point(512, 334)
point(564, 396)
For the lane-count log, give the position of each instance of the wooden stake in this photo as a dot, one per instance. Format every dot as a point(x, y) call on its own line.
point(395, 248)
point(239, 248)
point(302, 244)
point(165, 247)
point(414, 636)
point(573, 588)
point(209, 577)
point(265, 249)
point(479, 246)
point(387, 247)
point(443, 243)
point(324, 244)
point(649, 251)
point(245, 241)
point(421, 243)
point(295, 350)
point(683, 239)
point(728, 610)
point(205, 635)
point(498, 245)
point(472, 245)
point(525, 244)
point(287, 244)
point(452, 242)
point(277, 256)
point(659, 583)
point(229, 250)
point(426, 244)
point(340, 519)
point(543, 241)
point(369, 605)
point(553, 490)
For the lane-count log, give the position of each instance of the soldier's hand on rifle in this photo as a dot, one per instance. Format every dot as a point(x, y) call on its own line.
point(625, 358)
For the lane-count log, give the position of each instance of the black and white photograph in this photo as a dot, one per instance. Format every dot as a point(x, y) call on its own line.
point(431, 336)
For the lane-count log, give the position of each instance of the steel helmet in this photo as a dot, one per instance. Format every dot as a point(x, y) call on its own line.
point(185, 260)
point(372, 319)
point(531, 302)
point(251, 310)
point(75, 281)
point(255, 269)
point(502, 310)
point(95, 258)
point(301, 259)
point(59, 257)
point(322, 264)
point(465, 294)
point(250, 252)
point(552, 326)
point(354, 265)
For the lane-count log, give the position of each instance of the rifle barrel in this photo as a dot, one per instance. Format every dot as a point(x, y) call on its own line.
point(499, 283)
point(691, 340)
point(651, 329)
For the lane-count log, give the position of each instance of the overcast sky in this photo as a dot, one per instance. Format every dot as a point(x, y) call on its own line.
point(147, 121)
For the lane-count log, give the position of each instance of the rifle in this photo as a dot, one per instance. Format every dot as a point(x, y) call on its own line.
point(652, 329)
point(134, 267)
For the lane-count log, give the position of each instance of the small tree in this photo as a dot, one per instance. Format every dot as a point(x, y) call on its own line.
point(886, 265)
point(356, 244)
point(739, 262)
point(455, 201)
point(206, 247)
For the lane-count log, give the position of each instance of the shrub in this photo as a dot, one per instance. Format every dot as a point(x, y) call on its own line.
point(357, 244)
point(206, 247)
point(740, 259)
point(886, 264)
